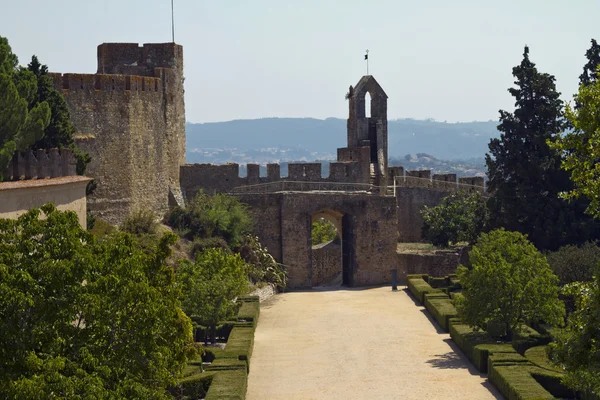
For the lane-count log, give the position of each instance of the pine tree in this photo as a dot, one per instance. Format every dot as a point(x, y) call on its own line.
point(589, 74)
point(60, 130)
point(525, 178)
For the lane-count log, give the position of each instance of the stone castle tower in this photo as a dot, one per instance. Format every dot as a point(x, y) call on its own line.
point(130, 117)
point(368, 136)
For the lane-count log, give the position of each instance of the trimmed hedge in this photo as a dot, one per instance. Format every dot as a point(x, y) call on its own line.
point(227, 375)
point(418, 287)
point(552, 382)
point(515, 381)
point(528, 338)
point(517, 378)
point(441, 308)
point(477, 346)
point(240, 344)
point(194, 386)
point(539, 357)
point(228, 385)
point(249, 311)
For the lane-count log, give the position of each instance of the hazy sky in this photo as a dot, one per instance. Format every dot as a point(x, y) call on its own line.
point(441, 59)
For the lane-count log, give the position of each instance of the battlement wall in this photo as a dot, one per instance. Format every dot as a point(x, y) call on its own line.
point(133, 59)
point(107, 83)
point(212, 178)
point(40, 164)
point(439, 182)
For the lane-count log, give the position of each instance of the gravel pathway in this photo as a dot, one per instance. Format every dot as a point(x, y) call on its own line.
point(356, 344)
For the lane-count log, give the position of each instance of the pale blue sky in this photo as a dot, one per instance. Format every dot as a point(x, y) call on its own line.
point(448, 60)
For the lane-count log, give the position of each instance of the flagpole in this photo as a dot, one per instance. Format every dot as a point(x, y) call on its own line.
point(367, 58)
point(172, 21)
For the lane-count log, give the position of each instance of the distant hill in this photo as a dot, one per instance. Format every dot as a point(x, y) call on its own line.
point(447, 141)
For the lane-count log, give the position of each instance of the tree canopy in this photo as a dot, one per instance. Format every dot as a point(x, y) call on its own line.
point(578, 346)
point(211, 284)
point(509, 282)
point(22, 123)
point(86, 320)
point(33, 114)
point(592, 55)
point(322, 231)
point(525, 177)
point(459, 218)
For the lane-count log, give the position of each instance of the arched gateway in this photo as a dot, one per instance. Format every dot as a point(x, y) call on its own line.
point(367, 222)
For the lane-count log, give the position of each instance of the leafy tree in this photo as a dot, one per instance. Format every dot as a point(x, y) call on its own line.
point(509, 282)
point(575, 263)
point(86, 320)
point(525, 178)
point(323, 231)
point(577, 348)
point(459, 218)
point(212, 215)
point(20, 124)
point(581, 147)
point(211, 284)
point(593, 61)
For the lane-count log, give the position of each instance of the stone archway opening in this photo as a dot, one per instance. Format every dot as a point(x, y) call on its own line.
point(327, 249)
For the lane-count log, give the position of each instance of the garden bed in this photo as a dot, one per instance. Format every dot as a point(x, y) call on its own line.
point(519, 369)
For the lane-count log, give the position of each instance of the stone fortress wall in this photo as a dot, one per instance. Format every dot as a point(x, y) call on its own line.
point(130, 117)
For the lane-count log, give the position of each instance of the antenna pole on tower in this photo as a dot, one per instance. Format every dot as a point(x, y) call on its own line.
point(172, 21)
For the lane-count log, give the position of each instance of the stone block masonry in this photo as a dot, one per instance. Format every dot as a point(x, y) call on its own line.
point(130, 118)
point(369, 238)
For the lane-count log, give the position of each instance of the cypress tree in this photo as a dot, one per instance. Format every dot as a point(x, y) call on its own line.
point(525, 177)
point(591, 67)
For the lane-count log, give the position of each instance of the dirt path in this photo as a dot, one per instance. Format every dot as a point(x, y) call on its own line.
point(356, 344)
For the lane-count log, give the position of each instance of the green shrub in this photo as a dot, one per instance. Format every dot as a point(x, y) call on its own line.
point(141, 221)
point(575, 264)
point(418, 287)
point(199, 245)
point(262, 265)
point(212, 215)
point(101, 228)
